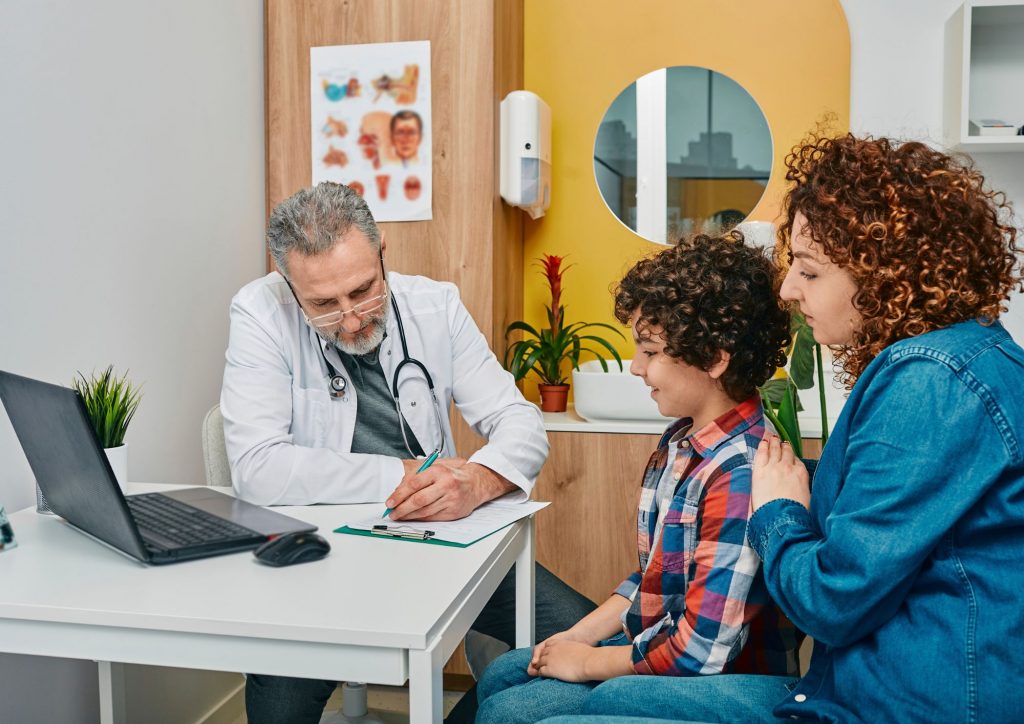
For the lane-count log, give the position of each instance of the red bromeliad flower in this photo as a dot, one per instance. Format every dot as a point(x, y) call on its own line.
point(552, 266)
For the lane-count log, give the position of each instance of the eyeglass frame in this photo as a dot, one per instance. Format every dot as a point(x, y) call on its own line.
point(354, 309)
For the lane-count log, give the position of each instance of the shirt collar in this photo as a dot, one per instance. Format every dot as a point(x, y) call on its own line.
point(717, 432)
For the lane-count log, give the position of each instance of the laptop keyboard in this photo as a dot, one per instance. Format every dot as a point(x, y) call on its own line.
point(182, 523)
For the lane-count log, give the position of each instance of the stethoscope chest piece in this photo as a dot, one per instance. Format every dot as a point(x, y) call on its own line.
point(338, 385)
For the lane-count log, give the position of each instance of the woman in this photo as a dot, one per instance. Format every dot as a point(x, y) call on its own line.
point(905, 564)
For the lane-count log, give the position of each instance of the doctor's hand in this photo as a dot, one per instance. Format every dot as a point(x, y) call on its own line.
point(778, 473)
point(449, 489)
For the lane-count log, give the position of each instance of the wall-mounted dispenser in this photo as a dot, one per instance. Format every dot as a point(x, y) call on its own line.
point(526, 152)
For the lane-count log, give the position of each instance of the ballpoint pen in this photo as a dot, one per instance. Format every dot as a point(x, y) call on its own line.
point(426, 464)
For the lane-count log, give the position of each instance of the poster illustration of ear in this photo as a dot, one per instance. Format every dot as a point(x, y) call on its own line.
point(371, 124)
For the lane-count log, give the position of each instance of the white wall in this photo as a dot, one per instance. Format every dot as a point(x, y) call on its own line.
point(131, 182)
point(896, 90)
point(132, 208)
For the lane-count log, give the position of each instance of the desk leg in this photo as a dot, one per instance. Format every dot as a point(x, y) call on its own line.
point(112, 704)
point(426, 697)
point(525, 632)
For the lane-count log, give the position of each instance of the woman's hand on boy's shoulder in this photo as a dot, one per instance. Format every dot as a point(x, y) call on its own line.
point(778, 473)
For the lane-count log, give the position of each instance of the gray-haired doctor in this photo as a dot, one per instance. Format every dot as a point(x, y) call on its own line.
point(317, 353)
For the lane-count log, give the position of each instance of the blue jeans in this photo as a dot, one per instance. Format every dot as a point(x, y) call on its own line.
point(720, 698)
point(509, 695)
point(288, 700)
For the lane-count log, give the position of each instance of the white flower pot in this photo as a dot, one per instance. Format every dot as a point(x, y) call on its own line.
point(118, 457)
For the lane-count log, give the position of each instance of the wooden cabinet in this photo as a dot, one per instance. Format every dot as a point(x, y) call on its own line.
point(587, 536)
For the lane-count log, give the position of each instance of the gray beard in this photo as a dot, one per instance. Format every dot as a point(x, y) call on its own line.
point(367, 340)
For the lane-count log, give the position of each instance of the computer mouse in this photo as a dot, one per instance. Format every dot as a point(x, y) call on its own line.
point(292, 548)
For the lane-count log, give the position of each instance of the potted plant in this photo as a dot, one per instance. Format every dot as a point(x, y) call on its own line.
point(543, 352)
point(110, 402)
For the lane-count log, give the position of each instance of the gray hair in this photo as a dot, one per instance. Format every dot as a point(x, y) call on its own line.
point(314, 220)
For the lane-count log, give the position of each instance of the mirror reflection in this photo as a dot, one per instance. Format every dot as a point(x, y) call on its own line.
point(682, 150)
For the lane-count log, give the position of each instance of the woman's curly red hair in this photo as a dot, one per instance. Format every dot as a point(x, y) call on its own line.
point(925, 242)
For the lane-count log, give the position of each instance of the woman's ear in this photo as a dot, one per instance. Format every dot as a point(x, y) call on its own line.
point(720, 365)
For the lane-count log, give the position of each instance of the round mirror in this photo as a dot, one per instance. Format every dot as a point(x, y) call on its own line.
point(682, 150)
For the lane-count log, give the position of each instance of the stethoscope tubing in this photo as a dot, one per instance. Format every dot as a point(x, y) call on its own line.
point(337, 385)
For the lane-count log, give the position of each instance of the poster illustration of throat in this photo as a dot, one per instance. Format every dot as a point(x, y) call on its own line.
point(370, 112)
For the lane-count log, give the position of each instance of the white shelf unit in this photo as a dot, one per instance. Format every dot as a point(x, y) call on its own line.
point(984, 73)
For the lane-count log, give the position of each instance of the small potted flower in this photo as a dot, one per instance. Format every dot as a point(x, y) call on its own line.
point(543, 352)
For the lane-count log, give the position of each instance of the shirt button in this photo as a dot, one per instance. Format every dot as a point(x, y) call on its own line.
point(414, 403)
point(800, 698)
point(684, 444)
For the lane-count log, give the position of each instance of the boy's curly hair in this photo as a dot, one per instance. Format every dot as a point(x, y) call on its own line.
point(711, 294)
point(925, 242)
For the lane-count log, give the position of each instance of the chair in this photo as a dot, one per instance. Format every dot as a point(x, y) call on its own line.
point(215, 454)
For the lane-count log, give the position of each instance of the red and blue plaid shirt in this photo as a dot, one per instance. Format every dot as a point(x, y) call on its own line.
point(699, 603)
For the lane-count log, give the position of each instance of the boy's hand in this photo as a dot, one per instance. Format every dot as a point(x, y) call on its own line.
point(577, 662)
point(567, 635)
point(562, 659)
point(778, 473)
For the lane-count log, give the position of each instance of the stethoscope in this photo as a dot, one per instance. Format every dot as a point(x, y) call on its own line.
point(337, 385)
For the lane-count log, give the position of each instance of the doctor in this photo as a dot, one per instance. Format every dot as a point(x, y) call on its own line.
point(339, 375)
point(315, 354)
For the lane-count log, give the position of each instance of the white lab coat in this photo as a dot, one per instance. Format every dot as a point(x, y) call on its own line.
point(289, 442)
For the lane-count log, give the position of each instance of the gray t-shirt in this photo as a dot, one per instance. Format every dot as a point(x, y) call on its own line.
point(377, 419)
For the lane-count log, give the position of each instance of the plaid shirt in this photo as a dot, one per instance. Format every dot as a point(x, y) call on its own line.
point(699, 603)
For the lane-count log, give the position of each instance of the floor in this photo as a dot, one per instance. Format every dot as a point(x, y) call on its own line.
point(387, 704)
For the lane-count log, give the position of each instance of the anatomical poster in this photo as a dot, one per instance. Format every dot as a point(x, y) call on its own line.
point(371, 124)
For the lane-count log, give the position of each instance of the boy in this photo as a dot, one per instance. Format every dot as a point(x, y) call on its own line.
point(709, 330)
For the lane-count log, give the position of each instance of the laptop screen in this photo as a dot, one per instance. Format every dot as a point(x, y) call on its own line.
point(69, 465)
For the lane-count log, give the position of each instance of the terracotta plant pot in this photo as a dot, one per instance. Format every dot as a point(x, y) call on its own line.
point(553, 397)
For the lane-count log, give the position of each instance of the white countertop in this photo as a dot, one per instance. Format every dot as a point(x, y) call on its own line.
point(569, 421)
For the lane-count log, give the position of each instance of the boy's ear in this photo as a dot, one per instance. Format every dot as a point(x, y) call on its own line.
point(719, 366)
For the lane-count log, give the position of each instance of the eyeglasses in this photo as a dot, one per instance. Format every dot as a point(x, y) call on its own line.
point(362, 309)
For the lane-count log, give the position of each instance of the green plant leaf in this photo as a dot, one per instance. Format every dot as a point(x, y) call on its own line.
point(775, 390)
point(110, 402)
point(521, 326)
point(787, 417)
point(801, 356)
point(607, 345)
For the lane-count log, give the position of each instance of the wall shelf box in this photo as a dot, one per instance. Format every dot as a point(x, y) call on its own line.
point(984, 73)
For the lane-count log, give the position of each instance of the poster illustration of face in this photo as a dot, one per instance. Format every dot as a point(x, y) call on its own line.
point(371, 124)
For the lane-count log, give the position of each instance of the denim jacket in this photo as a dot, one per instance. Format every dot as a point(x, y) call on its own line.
point(908, 570)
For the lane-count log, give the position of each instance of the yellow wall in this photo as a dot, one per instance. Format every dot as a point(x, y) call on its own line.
point(792, 56)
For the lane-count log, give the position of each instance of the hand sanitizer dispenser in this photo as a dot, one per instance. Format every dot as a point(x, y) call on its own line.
point(526, 152)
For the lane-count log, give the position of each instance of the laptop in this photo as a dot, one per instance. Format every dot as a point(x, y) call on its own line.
point(74, 474)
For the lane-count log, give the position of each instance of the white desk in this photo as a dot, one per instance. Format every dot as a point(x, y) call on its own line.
point(377, 610)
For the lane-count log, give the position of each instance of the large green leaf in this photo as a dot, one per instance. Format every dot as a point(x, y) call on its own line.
point(787, 416)
point(801, 356)
point(775, 390)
